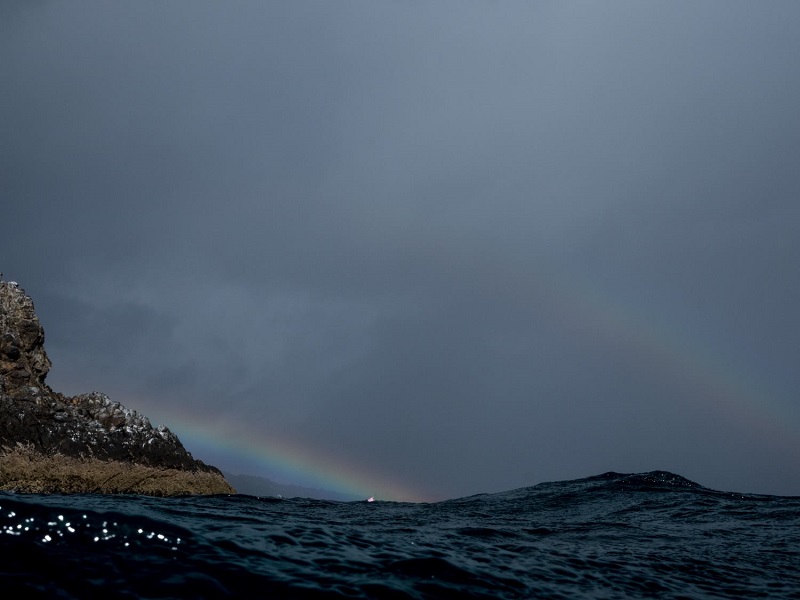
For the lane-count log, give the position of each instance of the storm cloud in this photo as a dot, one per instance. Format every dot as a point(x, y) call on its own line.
point(468, 246)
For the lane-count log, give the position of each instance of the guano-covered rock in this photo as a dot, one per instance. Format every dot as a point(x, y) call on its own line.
point(50, 443)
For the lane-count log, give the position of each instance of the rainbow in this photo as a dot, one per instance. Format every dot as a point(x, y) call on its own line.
point(729, 389)
point(282, 460)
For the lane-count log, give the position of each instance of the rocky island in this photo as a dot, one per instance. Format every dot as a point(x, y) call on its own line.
point(51, 443)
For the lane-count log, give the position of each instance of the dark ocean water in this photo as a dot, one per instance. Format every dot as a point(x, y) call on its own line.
point(610, 536)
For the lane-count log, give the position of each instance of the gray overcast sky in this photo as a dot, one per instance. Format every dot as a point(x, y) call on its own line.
point(444, 247)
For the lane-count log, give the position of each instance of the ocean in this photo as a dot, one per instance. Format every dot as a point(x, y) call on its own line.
point(652, 535)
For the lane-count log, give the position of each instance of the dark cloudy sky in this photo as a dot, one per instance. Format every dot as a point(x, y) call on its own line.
point(451, 247)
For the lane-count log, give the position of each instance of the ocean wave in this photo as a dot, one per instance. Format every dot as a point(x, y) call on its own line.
point(613, 535)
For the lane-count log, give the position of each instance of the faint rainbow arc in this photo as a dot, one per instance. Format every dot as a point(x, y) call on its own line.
point(570, 298)
point(301, 465)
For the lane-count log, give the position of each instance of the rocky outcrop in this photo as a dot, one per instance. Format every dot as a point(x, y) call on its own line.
point(83, 433)
point(23, 361)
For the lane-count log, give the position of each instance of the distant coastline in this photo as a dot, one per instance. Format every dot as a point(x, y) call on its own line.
point(253, 485)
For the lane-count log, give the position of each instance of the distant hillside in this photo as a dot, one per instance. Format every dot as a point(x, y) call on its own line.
point(261, 486)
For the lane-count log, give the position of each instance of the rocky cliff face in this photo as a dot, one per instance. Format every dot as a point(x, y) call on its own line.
point(23, 361)
point(88, 427)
